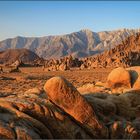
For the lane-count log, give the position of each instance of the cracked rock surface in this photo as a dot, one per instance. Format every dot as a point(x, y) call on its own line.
point(60, 111)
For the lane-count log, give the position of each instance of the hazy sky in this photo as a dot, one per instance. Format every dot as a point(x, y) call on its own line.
point(51, 18)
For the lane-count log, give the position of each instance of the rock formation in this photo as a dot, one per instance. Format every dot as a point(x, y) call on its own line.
point(119, 77)
point(62, 64)
point(126, 54)
point(33, 116)
point(61, 112)
point(128, 78)
point(63, 94)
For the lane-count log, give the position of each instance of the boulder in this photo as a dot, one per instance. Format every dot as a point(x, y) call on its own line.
point(63, 67)
point(64, 95)
point(34, 91)
point(83, 66)
point(119, 77)
point(135, 76)
point(86, 88)
point(15, 124)
point(90, 88)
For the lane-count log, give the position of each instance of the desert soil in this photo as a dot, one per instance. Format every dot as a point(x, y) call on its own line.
point(35, 77)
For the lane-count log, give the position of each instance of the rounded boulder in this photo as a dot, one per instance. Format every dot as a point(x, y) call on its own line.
point(119, 77)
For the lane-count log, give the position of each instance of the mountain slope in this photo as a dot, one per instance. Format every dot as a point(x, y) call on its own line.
point(125, 54)
point(79, 44)
point(11, 55)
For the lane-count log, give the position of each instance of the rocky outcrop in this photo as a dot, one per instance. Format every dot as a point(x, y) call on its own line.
point(61, 112)
point(62, 64)
point(32, 116)
point(126, 54)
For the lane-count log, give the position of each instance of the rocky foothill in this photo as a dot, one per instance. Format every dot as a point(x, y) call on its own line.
point(63, 111)
point(125, 54)
point(62, 64)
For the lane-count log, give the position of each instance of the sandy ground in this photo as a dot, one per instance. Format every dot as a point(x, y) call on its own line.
point(35, 77)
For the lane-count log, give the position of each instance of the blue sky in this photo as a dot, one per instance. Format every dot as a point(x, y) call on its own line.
point(44, 18)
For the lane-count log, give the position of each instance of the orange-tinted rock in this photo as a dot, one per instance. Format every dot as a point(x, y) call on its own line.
point(63, 67)
point(16, 124)
point(64, 94)
point(26, 117)
point(119, 77)
point(135, 76)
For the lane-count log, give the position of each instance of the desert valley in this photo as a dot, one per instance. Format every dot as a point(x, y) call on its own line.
point(83, 85)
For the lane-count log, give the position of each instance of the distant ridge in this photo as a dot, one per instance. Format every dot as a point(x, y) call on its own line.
point(78, 44)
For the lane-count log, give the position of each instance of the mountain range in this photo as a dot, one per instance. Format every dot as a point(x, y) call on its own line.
point(78, 44)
